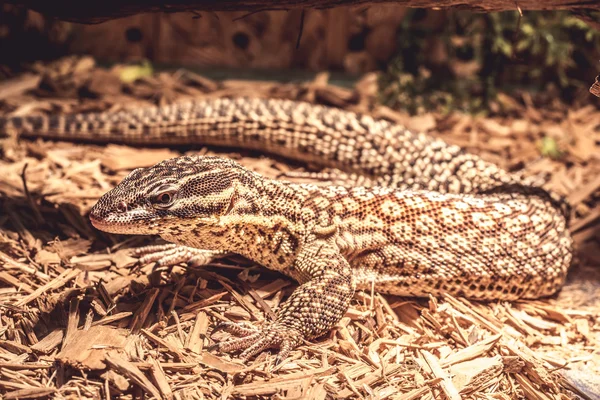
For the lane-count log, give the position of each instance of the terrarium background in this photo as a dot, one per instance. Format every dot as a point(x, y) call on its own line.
point(428, 59)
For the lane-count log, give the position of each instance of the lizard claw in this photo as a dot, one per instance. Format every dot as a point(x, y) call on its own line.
point(241, 329)
point(167, 255)
point(255, 341)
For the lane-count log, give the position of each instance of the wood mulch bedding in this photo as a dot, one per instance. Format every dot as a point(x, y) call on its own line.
point(80, 319)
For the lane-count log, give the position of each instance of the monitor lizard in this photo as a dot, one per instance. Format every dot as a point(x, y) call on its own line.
point(406, 213)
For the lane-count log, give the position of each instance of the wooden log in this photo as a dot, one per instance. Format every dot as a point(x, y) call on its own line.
point(95, 11)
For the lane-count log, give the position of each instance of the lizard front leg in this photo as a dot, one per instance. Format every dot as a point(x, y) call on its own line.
point(169, 254)
point(327, 286)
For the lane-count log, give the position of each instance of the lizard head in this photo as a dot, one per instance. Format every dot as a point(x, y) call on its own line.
point(177, 195)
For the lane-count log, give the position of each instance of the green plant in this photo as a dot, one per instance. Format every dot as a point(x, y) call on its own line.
point(484, 54)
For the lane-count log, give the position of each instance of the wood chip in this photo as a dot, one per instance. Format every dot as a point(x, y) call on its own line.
point(86, 349)
point(132, 372)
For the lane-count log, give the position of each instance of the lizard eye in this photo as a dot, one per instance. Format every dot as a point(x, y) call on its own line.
point(164, 198)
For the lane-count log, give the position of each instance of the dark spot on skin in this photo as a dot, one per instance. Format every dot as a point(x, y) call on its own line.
point(37, 123)
point(53, 124)
point(278, 244)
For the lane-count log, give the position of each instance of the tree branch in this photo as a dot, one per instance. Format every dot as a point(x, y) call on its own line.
point(95, 11)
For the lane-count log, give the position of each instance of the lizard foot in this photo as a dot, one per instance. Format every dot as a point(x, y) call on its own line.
point(167, 255)
point(255, 341)
point(310, 311)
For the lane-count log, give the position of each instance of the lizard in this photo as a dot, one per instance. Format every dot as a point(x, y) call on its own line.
point(407, 214)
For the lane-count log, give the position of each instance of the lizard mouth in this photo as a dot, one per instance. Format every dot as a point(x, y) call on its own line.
point(101, 224)
point(137, 221)
point(112, 223)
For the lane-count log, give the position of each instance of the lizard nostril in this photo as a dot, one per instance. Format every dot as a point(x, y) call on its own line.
point(122, 207)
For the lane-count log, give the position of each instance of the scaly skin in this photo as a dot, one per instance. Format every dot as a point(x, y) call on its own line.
point(333, 240)
point(427, 217)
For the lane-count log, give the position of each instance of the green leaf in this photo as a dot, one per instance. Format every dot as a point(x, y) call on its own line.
point(132, 73)
point(549, 148)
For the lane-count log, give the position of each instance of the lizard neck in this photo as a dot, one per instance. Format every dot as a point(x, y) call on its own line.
point(271, 234)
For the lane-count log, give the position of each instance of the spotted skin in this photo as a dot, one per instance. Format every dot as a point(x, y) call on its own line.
point(407, 214)
point(335, 239)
